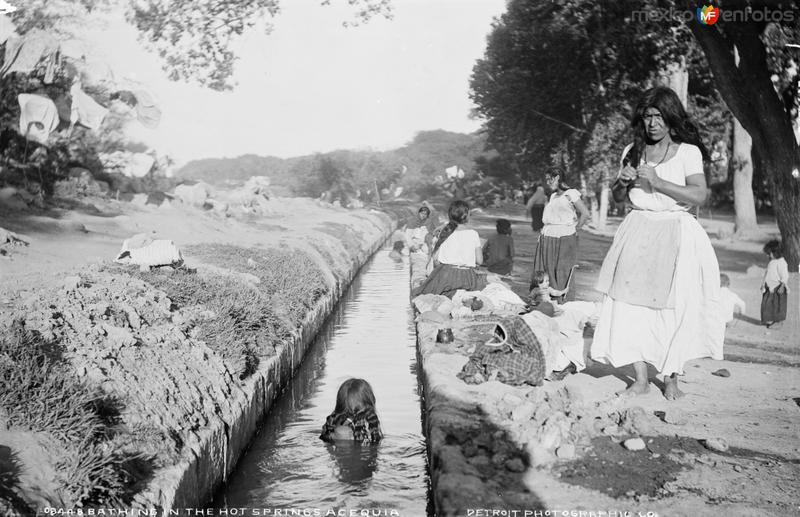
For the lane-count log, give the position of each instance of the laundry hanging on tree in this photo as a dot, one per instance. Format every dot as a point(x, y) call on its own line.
point(23, 53)
point(85, 110)
point(7, 28)
point(38, 117)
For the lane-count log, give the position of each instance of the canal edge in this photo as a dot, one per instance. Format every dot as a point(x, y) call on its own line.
point(192, 482)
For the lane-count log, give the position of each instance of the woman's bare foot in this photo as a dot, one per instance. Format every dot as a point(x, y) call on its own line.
point(637, 388)
point(671, 391)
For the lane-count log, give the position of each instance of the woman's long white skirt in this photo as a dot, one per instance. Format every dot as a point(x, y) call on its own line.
point(667, 338)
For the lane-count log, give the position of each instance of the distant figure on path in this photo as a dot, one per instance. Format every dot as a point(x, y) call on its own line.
point(456, 255)
point(354, 417)
point(498, 252)
point(774, 288)
point(660, 277)
point(535, 207)
point(557, 248)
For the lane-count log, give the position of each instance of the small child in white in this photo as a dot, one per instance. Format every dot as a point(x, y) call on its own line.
point(730, 302)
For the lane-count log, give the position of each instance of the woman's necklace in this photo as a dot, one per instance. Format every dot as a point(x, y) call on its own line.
point(662, 158)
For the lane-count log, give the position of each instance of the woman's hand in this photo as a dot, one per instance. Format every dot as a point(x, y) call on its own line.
point(647, 177)
point(627, 174)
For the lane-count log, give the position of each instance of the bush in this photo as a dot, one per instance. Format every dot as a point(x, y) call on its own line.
point(250, 322)
point(39, 392)
point(291, 278)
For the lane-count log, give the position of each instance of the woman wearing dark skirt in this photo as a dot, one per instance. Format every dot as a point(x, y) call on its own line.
point(535, 207)
point(557, 248)
point(774, 287)
point(456, 255)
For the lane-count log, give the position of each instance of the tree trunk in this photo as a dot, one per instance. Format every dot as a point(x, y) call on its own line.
point(741, 166)
point(748, 91)
point(676, 76)
point(604, 193)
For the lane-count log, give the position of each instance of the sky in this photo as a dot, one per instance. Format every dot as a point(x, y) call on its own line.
point(313, 85)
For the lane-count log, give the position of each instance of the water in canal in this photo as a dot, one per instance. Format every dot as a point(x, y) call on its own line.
point(369, 335)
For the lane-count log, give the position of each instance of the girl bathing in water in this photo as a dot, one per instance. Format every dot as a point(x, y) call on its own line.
point(354, 417)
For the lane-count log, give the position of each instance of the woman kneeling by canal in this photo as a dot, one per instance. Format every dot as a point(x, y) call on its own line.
point(456, 255)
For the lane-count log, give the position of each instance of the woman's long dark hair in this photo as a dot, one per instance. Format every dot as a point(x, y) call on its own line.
point(458, 212)
point(681, 127)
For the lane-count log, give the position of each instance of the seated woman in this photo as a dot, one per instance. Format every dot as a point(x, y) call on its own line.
point(498, 252)
point(456, 255)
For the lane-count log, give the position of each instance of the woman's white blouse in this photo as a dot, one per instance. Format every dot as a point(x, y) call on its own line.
point(559, 216)
point(687, 161)
point(459, 248)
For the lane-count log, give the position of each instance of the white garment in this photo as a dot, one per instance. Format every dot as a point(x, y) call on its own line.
point(459, 248)
point(38, 117)
point(559, 216)
point(729, 301)
point(560, 345)
point(7, 28)
point(688, 161)
point(693, 328)
point(777, 273)
point(85, 110)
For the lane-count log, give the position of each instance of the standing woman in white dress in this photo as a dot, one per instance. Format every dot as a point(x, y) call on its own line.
point(660, 277)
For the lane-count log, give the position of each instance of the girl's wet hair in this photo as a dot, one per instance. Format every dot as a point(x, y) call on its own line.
point(503, 226)
point(458, 212)
point(681, 127)
point(424, 209)
point(398, 246)
point(354, 395)
point(774, 248)
point(724, 280)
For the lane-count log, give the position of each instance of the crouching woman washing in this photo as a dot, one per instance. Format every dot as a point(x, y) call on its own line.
point(660, 277)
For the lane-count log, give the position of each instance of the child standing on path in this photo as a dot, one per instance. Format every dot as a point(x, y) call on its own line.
point(775, 288)
point(354, 417)
point(498, 252)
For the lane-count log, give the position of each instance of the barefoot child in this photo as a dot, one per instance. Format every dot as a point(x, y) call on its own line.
point(731, 303)
point(354, 416)
point(542, 294)
point(774, 288)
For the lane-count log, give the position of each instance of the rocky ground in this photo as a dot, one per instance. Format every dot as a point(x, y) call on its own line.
point(730, 446)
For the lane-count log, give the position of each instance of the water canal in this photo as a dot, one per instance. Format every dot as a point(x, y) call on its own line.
point(370, 335)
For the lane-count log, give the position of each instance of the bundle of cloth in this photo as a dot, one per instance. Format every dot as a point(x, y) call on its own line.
point(514, 356)
point(561, 335)
point(145, 252)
